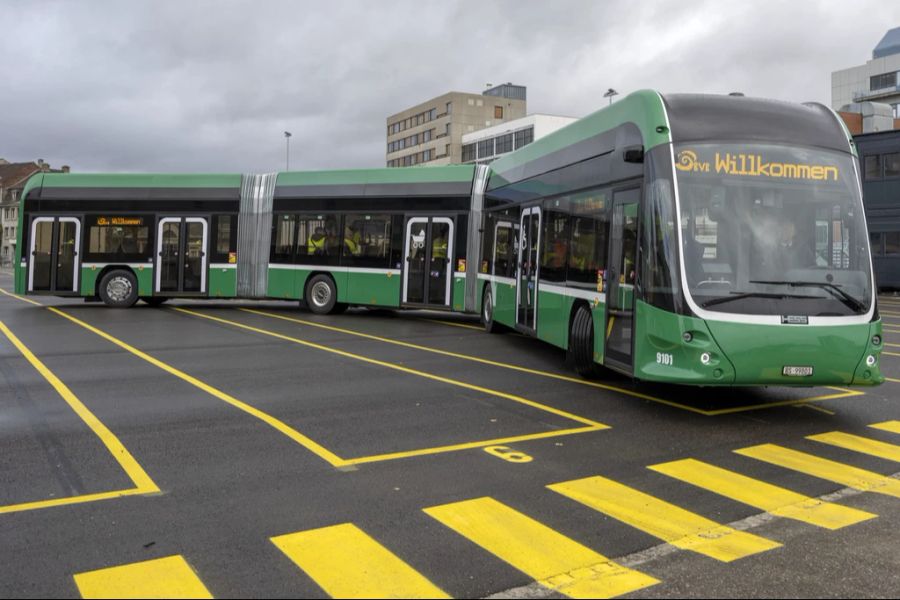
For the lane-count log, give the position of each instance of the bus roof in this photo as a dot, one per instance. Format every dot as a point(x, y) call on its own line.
point(449, 180)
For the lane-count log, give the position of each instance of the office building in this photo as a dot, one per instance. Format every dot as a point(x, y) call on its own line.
point(876, 81)
point(431, 132)
point(485, 145)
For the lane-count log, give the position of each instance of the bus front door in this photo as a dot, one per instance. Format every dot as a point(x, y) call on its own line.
point(428, 251)
point(527, 271)
point(621, 279)
point(181, 261)
point(55, 243)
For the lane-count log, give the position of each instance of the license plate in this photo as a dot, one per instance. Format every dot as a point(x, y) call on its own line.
point(797, 371)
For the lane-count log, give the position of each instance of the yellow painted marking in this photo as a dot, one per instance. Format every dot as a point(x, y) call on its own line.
point(287, 430)
point(508, 454)
point(842, 392)
point(670, 523)
point(822, 468)
point(819, 409)
point(609, 327)
point(169, 577)
point(892, 345)
point(347, 563)
point(859, 444)
point(890, 353)
point(764, 496)
point(143, 483)
point(552, 559)
point(891, 426)
point(891, 379)
point(400, 368)
point(472, 445)
point(888, 312)
point(18, 297)
point(452, 324)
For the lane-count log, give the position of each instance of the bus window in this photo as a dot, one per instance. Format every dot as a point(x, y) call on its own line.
point(587, 250)
point(225, 236)
point(506, 248)
point(487, 244)
point(285, 228)
point(367, 240)
point(556, 246)
point(118, 238)
point(318, 240)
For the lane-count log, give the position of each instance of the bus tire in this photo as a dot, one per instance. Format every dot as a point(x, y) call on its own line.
point(487, 312)
point(119, 289)
point(321, 294)
point(154, 300)
point(581, 343)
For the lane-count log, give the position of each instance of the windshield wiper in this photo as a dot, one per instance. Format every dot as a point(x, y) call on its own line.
point(740, 295)
point(836, 291)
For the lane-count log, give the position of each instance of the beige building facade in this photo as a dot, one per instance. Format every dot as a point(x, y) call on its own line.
point(430, 133)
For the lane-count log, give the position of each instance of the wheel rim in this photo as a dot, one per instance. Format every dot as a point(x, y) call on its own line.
point(488, 308)
point(119, 289)
point(321, 294)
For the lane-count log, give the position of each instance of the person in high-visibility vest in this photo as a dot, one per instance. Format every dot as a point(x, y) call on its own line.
point(352, 240)
point(439, 246)
point(316, 245)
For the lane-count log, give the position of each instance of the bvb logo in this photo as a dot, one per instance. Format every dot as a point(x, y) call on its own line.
point(687, 160)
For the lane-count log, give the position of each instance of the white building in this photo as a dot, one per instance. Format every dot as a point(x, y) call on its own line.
point(485, 145)
point(875, 81)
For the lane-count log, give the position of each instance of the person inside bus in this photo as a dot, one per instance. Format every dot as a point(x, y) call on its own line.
point(794, 253)
point(316, 245)
point(352, 240)
point(439, 245)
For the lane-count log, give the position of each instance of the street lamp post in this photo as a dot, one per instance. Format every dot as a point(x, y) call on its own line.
point(287, 155)
point(609, 94)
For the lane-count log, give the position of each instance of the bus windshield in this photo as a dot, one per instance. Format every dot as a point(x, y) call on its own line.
point(772, 230)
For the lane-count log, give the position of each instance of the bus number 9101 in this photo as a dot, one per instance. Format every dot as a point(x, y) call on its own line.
point(664, 358)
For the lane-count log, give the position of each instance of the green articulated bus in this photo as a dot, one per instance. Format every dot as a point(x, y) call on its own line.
point(706, 240)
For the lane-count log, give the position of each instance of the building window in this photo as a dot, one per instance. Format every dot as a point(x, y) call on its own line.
point(504, 143)
point(486, 148)
point(873, 166)
point(468, 152)
point(885, 80)
point(892, 164)
point(524, 137)
point(896, 110)
point(449, 108)
point(498, 112)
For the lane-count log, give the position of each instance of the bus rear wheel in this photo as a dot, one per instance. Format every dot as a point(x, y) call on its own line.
point(119, 289)
point(321, 294)
point(581, 343)
point(487, 312)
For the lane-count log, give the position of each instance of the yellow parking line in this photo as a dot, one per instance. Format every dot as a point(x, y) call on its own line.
point(891, 426)
point(169, 577)
point(822, 468)
point(892, 380)
point(670, 523)
point(143, 483)
point(550, 558)
point(452, 324)
point(18, 297)
point(890, 353)
point(347, 563)
point(396, 367)
point(287, 430)
point(842, 392)
point(764, 496)
point(859, 444)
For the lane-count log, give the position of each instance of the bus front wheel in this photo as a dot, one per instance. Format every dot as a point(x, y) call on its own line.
point(321, 294)
point(581, 343)
point(119, 289)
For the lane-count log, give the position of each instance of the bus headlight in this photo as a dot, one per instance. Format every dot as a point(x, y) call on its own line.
point(870, 360)
point(705, 358)
point(687, 336)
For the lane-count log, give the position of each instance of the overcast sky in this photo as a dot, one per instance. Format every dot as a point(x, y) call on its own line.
point(210, 86)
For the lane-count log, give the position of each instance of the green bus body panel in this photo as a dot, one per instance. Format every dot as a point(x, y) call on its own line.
point(90, 278)
point(644, 108)
point(140, 180)
point(283, 283)
point(750, 354)
point(222, 282)
point(376, 289)
point(553, 318)
point(458, 294)
point(437, 174)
